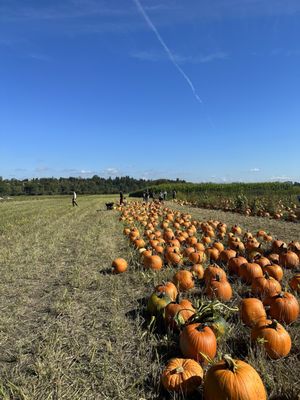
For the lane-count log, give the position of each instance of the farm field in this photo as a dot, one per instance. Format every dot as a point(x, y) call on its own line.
point(70, 329)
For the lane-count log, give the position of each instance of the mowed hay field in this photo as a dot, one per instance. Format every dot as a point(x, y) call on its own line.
point(70, 329)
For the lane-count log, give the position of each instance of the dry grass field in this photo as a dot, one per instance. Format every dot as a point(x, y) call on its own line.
point(70, 329)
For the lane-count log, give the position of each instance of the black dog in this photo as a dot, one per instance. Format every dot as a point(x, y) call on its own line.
point(109, 206)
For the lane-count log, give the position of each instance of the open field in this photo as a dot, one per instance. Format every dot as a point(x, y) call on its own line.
point(69, 329)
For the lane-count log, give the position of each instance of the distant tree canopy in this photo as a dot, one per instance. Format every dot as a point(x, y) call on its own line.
point(94, 185)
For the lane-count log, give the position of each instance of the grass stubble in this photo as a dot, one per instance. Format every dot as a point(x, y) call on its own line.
point(69, 329)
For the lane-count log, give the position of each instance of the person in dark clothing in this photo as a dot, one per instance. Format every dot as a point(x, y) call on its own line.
point(121, 198)
point(174, 194)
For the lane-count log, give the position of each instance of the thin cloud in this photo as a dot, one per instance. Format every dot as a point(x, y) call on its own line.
point(180, 59)
point(254, 170)
point(166, 48)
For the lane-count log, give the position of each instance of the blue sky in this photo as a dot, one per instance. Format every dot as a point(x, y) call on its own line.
point(111, 88)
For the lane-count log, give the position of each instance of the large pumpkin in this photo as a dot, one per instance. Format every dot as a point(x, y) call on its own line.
point(182, 375)
point(233, 380)
point(198, 341)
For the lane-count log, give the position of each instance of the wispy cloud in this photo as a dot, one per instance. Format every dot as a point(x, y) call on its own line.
point(39, 57)
point(181, 59)
point(254, 170)
point(166, 49)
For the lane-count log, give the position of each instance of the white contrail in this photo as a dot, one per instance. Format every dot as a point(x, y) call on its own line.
point(166, 48)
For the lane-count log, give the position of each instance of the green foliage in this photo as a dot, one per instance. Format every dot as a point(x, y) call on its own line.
point(56, 186)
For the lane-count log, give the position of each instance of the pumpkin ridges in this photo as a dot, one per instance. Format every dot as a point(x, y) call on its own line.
point(276, 340)
point(182, 375)
point(244, 383)
point(196, 339)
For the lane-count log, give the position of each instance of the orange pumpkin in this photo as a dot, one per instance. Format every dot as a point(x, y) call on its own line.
point(182, 310)
point(198, 341)
point(276, 340)
point(119, 265)
point(184, 280)
point(294, 283)
point(233, 380)
point(251, 311)
point(182, 375)
point(169, 288)
point(284, 307)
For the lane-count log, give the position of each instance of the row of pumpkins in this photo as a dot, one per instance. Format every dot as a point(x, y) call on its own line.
point(164, 236)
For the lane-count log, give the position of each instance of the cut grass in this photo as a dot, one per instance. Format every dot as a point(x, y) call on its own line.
point(70, 329)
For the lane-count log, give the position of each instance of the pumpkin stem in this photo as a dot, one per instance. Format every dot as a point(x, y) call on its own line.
point(266, 275)
point(273, 324)
point(178, 370)
point(230, 362)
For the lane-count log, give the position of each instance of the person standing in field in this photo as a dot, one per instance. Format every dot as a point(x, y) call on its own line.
point(121, 198)
point(174, 194)
point(74, 203)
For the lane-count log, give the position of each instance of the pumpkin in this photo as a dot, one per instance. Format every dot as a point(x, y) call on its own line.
point(233, 380)
point(198, 271)
point(197, 257)
point(119, 265)
point(153, 262)
point(182, 375)
point(275, 271)
point(250, 271)
point(251, 311)
point(169, 288)
point(212, 271)
point(289, 259)
point(157, 302)
point(184, 280)
point(284, 307)
point(235, 263)
point(294, 283)
point(217, 289)
point(180, 311)
point(212, 253)
point(198, 341)
point(265, 286)
point(275, 339)
point(226, 255)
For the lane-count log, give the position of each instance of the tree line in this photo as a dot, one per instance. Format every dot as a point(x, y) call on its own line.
point(94, 185)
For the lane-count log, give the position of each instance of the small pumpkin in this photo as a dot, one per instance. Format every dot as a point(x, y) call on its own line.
point(153, 262)
point(182, 375)
point(119, 265)
point(169, 288)
point(157, 303)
